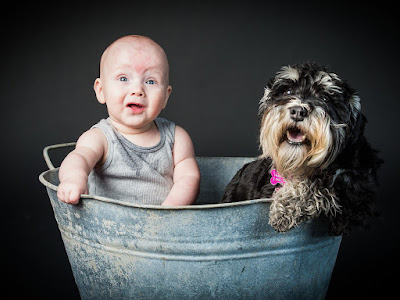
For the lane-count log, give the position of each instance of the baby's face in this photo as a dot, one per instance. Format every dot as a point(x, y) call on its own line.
point(133, 82)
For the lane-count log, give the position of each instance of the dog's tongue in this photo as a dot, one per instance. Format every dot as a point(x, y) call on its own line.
point(295, 135)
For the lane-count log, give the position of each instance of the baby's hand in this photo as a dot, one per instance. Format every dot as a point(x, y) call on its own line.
point(70, 191)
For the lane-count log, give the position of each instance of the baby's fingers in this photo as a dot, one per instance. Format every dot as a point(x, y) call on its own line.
point(74, 197)
point(68, 195)
point(61, 193)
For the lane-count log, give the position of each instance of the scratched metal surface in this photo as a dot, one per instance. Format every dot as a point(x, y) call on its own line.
point(208, 251)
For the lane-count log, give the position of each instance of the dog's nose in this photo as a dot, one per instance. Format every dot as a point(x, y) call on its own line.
point(298, 113)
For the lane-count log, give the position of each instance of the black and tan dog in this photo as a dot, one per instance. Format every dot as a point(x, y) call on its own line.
point(315, 158)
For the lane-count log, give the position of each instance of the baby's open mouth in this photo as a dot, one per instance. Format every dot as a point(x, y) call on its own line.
point(295, 136)
point(136, 107)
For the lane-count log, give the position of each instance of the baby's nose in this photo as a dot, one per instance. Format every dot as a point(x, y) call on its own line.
point(138, 94)
point(137, 91)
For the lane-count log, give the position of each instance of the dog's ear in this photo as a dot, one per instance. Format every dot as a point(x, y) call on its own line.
point(355, 180)
point(355, 105)
point(356, 120)
point(264, 102)
point(356, 130)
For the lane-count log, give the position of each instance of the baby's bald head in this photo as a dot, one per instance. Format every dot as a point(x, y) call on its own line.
point(136, 44)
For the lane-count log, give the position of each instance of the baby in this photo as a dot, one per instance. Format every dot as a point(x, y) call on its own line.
point(132, 155)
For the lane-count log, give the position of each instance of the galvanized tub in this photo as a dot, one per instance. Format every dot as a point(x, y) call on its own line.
point(207, 251)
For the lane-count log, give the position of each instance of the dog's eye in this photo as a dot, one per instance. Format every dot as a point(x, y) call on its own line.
point(324, 98)
point(288, 92)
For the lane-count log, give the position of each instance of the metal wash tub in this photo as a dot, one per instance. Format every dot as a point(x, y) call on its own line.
point(207, 251)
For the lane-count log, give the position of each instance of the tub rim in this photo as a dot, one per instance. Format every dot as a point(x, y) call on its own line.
point(53, 187)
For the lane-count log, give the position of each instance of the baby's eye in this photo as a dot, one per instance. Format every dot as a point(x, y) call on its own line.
point(123, 78)
point(150, 81)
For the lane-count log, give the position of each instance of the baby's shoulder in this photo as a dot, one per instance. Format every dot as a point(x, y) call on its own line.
point(181, 133)
point(93, 138)
point(95, 141)
point(183, 143)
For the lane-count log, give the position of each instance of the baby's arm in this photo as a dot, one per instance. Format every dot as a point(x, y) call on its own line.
point(186, 172)
point(90, 150)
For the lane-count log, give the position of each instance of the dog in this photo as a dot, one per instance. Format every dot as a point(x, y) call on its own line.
point(316, 160)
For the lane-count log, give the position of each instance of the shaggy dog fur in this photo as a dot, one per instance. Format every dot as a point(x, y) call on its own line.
point(312, 140)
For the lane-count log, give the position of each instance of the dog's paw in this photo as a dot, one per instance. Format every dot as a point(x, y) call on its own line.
point(281, 218)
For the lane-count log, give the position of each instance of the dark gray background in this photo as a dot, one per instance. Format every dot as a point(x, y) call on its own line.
point(221, 56)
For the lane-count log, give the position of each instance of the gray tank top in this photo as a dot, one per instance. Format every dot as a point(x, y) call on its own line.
point(140, 175)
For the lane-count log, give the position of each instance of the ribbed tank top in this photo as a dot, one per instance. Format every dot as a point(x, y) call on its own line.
point(140, 175)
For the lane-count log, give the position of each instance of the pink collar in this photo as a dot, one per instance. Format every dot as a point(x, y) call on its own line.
point(276, 178)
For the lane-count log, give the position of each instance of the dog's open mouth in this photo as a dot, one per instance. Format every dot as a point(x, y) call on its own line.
point(295, 136)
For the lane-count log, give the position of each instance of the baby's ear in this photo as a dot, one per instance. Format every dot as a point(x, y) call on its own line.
point(168, 93)
point(98, 88)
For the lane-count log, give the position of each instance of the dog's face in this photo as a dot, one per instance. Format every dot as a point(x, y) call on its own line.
point(306, 115)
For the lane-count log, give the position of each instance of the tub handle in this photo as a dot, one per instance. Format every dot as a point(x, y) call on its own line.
point(46, 156)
